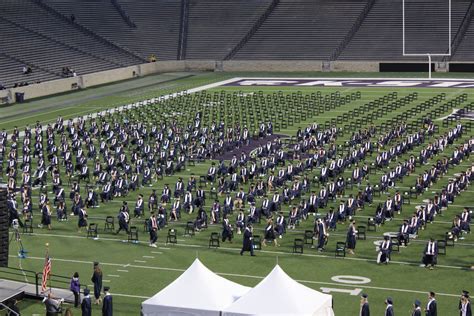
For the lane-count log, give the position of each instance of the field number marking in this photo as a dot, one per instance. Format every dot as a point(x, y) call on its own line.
point(347, 279)
point(350, 279)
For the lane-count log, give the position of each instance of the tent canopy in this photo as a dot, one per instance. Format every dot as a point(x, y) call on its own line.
point(280, 294)
point(198, 291)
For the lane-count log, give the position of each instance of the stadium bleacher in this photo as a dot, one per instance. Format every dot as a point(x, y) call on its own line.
point(45, 52)
point(215, 27)
point(466, 48)
point(157, 23)
point(44, 24)
point(380, 35)
point(11, 72)
point(112, 34)
point(302, 29)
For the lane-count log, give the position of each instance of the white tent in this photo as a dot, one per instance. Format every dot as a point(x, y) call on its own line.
point(198, 291)
point(280, 294)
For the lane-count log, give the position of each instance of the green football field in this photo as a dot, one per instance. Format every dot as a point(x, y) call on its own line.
point(136, 272)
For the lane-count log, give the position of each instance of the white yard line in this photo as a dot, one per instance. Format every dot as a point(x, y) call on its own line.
point(187, 245)
point(239, 275)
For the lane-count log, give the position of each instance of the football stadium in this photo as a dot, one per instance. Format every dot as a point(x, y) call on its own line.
point(236, 157)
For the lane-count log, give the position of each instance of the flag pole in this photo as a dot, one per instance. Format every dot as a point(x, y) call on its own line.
point(49, 274)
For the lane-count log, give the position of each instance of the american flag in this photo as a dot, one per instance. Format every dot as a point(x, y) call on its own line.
point(46, 272)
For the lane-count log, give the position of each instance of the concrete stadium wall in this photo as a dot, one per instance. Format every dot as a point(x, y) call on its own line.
point(271, 65)
point(176, 65)
point(362, 66)
point(109, 76)
point(200, 65)
point(46, 88)
point(104, 77)
point(161, 66)
point(5, 96)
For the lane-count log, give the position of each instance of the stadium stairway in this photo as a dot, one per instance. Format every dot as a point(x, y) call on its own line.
point(216, 26)
point(465, 50)
point(380, 35)
point(303, 29)
point(45, 53)
point(34, 15)
point(157, 23)
point(60, 43)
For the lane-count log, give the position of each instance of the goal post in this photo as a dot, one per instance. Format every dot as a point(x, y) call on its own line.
point(426, 54)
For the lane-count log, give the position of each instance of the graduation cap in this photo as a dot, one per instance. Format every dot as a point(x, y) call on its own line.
point(417, 303)
point(465, 293)
point(364, 295)
point(389, 300)
point(106, 288)
point(96, 263)
point(86, 291)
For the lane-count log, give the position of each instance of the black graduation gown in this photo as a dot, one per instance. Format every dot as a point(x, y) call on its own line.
point(416, 312)
point(365, 311)
point(468, 309)
point(247, 245)
point(86, 307)
point(97, 280)
point(389, 311)
point(107, 309)
point(433, 309)
point(351, 238)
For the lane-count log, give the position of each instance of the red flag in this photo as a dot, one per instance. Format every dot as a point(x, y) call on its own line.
point(46, 272)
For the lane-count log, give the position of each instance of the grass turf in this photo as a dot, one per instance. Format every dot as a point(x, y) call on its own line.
point(403, 279)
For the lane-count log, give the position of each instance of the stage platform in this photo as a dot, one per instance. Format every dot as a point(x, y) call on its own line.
point(12, 289)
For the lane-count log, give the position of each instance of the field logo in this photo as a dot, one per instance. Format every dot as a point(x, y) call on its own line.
point(351, 82)
point(459, 114)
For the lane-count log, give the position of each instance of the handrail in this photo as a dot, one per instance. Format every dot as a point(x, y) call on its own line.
point(16, 269)
point(183, 30)
point(88, 31)
point(125, 17)
point(23, 271)
point(466, 21)
point(355, 27)
point(58, 279)
point(253, 29)
point(9, 309)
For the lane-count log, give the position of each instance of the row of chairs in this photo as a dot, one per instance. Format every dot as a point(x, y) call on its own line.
point(245, 110)
point(409, 113)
